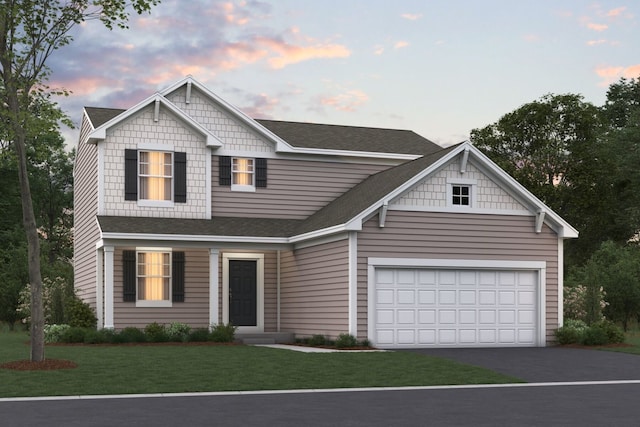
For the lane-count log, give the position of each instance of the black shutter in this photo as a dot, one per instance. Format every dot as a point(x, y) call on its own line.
point(177, 277)
point(180, 177)
point(130, 174)
point(261, 173)
point(129, 278)
point(224, 177)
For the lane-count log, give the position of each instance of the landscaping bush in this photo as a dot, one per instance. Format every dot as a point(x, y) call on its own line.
point(199, 335)
point(178, 332)
point(346, 340)
point(73, 335)
point(156, 332)
point(571, 333)
point(53, 333)
point(128, 335)
point(223, 333)
point(79, 313)
point(595, 335)
point(615, 334)
point(317, 340)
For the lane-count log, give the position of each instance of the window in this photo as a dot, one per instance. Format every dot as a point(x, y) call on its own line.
point(461, 195)
point(153, 277)
point(156, 171)
point(242, 174)
point(155, 177)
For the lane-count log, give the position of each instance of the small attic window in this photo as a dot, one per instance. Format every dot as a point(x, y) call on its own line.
point(461, 195)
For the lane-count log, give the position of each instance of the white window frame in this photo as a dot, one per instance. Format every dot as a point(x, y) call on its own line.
point(470, 183)
point(162, 148)
point(252, 172)
point(154, 303)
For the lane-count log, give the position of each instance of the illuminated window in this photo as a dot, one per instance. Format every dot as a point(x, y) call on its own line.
point(156, 172)
point(154, 276)
point(242, 174)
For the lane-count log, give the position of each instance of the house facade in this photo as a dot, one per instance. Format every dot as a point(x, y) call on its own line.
point(187, 210)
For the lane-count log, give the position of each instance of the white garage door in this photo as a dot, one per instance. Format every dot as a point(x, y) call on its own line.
point(430, 307)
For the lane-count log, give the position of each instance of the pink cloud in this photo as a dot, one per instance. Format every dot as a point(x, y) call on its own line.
point(596, 42)
point(287, 54)
point(597, 27)
point(411, 16)
point(347, 101)
point(400, 44)
point(378, 50)
point(612, 74)
point(613, 13)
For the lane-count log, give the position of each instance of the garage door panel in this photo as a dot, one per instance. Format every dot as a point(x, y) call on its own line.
point(442, 307)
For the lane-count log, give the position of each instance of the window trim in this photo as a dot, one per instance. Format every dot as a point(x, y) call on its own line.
point(470, 183)
point(155, 303)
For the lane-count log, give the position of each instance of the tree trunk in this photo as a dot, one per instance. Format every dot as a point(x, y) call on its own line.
point(33, 246)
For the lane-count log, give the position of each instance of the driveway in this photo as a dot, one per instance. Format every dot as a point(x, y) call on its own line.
point(547, 364)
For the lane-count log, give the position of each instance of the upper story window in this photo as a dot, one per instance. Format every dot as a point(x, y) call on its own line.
point(242, 173)
point(461, 195)
point(155, 173)
point(154, 177)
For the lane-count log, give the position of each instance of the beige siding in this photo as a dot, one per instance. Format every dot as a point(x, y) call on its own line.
point(86, 231)
point(194, 311)
point(295, 189)
point(458, 236)
point(315, 290)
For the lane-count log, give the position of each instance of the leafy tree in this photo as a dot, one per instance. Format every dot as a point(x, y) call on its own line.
point(623, 103)
point(30, 32)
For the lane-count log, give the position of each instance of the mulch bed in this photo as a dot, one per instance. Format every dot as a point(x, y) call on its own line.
point(45, 365)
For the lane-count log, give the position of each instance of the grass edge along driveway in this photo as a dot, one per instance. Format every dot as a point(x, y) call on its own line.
point(208, 368)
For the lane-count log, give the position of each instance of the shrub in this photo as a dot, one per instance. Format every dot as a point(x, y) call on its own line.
point(595, 336)
point(199, 335)
point(346, 340)
point(317, 340)
point(223, 333)
point(79, 313)
point(102, 336)
point(365, 343)
point(74, 334)
point(156, 332)
point(572, 332)
point(53, 333)
point(129, 334)
point(615, 334)
point(178, 332)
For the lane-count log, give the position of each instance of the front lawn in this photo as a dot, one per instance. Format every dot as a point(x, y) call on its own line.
point(632, 341)
point(184, 368)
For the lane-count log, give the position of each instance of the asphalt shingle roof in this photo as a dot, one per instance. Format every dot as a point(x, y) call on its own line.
point(100, 116)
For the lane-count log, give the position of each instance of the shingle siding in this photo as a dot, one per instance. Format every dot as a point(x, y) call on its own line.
point(458, 236)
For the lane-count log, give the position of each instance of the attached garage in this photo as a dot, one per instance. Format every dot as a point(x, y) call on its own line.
point(417, 303)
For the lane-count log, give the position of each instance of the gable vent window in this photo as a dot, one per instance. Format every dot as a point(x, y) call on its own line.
point(461, 195)
point(242, 174)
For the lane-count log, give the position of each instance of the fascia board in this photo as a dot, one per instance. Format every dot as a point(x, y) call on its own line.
point(100, 133)
point(321, 233)
point(349, 153)
point(192, 238)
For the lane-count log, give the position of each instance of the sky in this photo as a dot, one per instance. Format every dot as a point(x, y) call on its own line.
point(439, 68)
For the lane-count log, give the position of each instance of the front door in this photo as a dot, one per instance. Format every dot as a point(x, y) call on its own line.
point(242, 293)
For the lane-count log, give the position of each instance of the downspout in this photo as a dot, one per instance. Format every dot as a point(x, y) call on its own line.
point(278, 290)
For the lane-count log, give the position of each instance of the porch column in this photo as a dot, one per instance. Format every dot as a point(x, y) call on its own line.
point(214, 287)
point(108, 287)
point(100, 287)
point(353, 283)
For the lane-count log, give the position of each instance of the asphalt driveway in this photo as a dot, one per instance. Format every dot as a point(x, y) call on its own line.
point(547, 364)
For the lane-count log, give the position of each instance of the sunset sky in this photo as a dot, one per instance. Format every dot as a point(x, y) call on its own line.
point(440, 68)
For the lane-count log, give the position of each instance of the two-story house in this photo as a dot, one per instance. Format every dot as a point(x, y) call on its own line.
point(187, 210)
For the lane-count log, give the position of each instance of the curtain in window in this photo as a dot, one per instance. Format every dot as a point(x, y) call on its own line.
point(154, 275)
point(242, 171)
point(155, 175)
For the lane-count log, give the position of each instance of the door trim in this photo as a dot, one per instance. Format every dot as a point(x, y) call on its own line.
point(259, 258)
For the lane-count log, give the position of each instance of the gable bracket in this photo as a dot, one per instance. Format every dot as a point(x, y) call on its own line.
point(156, 111)
point(463, 160)
point(383, 214)
point(188, 97)
point(539, 221)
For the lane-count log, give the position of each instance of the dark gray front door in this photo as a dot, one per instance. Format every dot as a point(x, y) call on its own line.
point(242, 293)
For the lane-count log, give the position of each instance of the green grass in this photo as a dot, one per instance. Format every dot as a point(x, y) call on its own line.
point(174, 369)
point(633, 338)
